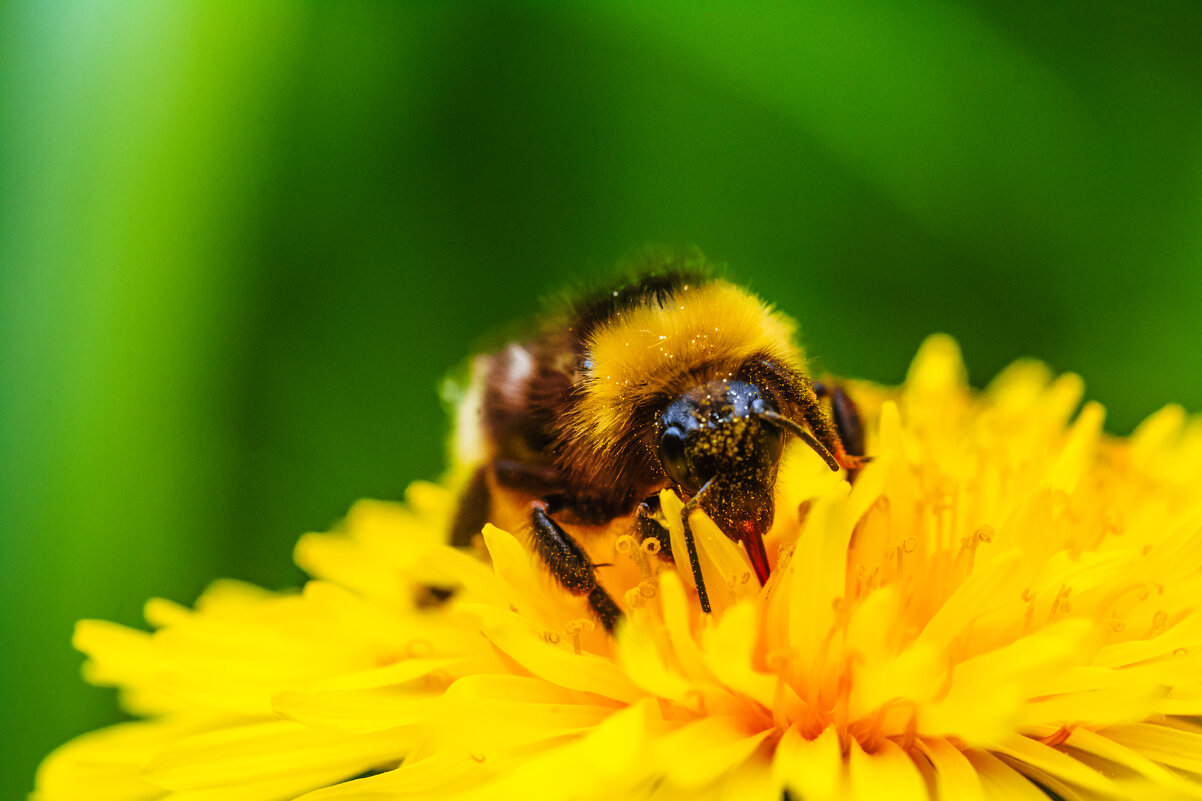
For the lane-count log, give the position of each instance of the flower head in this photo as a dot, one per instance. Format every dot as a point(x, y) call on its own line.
point(1005, 600)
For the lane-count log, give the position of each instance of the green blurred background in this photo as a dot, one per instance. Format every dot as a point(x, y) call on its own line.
point(241, 243)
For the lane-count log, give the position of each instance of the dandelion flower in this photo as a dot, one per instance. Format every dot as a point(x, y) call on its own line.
point(1004, 605)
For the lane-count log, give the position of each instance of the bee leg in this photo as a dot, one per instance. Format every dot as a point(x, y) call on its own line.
point(571, 566)
point(690, 506)
point(847, 422)
point(648, 526)
point(473, 510)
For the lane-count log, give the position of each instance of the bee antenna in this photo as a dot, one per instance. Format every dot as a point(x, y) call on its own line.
point(793, 427)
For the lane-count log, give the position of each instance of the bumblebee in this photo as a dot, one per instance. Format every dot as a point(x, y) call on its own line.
point(670, 379)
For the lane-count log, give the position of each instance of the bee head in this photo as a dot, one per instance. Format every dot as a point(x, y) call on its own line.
point(715, 435)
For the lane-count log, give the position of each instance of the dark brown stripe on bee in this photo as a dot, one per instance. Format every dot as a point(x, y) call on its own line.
point(532, 479)
point(583, 509)
point(667, 276)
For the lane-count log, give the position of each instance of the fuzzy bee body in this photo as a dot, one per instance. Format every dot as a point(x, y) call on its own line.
point(673, 380)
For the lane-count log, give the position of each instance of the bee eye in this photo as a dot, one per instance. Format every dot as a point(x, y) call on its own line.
point(671, 454)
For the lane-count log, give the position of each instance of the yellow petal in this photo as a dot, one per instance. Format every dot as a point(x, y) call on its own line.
point(809, 768)
point(159, 612)
point(607, 762)
point(697, 753)
point(750, 781)
point(987, 691)
point(1114, 752)
point(916, 674)
point(261, 751)
point(1186, 635)
point(105, 765)
point(402, 672)
point(639, 654)
point(871, 631)
point(339, 559)
point(730, 649)
point(1155, 436)
point(1053, 762)
point(676, 616)
point(891, 438)
point(1121, 703)
point(815, 579)
point(356, 710)
point(615, 747)
point(272, 789)
point(558, 664)
point(444, 566)
point(1002, 782)
point(440, 776)
point(887, 773)
point(870, 483)
point(119, 654)
point(979, 593)
point(937, 369)
point(1076, 455)
point(1172, 746)
point(1018, 386)
point(229, 598)
point(955, 777)
point(494, 714)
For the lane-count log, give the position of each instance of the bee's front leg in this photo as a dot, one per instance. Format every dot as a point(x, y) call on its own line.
point(847, 422)
point(846, 416)
point(648, 525)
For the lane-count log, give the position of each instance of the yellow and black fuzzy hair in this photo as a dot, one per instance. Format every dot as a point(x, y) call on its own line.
point(674, 333)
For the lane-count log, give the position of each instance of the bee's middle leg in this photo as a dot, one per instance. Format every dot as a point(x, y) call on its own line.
point(565, 559)
point(570, 564)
